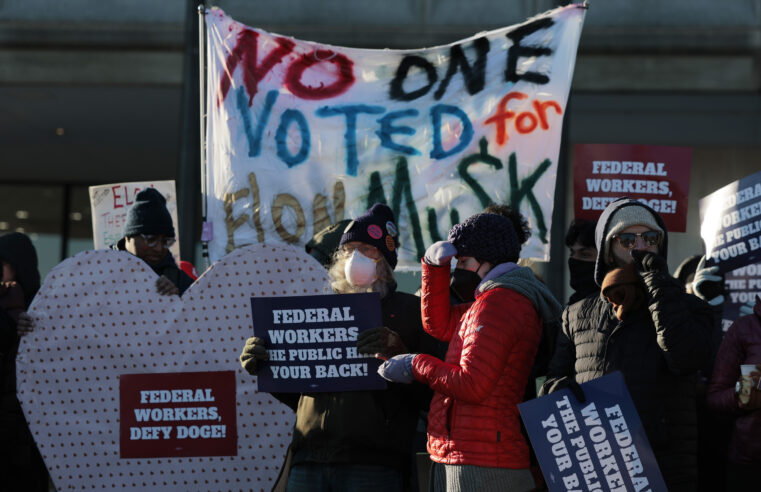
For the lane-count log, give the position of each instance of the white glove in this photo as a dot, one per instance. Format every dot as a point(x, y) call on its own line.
point(440, 253)
point(703, 275)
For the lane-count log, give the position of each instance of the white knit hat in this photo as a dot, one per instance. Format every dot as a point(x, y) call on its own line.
point(626, 217)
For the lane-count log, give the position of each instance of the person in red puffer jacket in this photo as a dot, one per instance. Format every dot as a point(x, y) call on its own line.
point(474, 433)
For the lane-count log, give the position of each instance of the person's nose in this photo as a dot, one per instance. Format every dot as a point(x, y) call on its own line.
point(639, 243)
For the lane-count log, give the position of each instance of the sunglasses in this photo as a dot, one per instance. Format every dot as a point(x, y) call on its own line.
point(629, 239)
point(151, 241)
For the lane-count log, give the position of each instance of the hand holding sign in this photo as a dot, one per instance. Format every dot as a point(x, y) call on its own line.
point(708, 284)
point(381, 342)
point(253, 352)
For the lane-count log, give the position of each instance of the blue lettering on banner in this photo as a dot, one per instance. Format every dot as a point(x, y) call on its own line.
point(254, 136)
point(466, 136)
point(281, 137)
point(350, 111)
point(387, 129)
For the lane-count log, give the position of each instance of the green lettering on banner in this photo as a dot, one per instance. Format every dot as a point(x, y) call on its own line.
point(484, 157)
point(525, 190)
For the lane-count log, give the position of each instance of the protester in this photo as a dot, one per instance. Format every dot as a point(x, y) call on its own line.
point(644, 325)
point(21, 466)
point(474, 434)
point(360, 440)
point(580, 240)
point(730, 394)
point(148, 234)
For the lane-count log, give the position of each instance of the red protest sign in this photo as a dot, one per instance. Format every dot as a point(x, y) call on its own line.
point(177, 414)
point(655, 175)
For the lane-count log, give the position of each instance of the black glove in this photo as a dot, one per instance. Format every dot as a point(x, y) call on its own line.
point(571, 384)
point(383, 341)
point(253, 352)
point(646, 262)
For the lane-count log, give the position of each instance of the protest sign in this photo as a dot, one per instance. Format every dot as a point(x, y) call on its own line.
point(98, 319)
point(312, 342)
point(742, 285)
point(110, 204)
point(177, 414)
point(730, 224)
point(301, 135)
point(596, 445)
point(656, 176)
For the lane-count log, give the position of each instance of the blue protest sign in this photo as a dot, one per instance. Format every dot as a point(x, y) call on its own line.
point(742, 285)
point(730, 224)
point(312, 342)
point(597, 445)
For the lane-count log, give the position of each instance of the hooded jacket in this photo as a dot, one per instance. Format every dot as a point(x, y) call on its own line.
point(658, 348)
point(474, 416)
point(741, 345)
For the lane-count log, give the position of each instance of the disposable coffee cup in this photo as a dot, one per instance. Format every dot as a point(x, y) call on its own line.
point(746, 382)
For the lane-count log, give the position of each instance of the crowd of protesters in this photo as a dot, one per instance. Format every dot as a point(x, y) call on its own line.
point(474, 344)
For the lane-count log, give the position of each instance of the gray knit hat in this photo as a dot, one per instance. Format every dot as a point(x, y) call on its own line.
point(486, 237)
point(626, 217)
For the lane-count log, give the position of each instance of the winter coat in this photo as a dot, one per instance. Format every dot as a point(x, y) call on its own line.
point(741, 345)
point(658, 348)
point(365, 427)
point(166, 267)
point(474, 416)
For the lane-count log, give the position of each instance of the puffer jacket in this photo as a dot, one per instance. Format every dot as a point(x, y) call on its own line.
point(365, 427)
point(658, 349)
point(474, 417)
point(741, 345)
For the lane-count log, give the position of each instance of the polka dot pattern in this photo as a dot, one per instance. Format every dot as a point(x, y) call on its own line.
point(98, 316)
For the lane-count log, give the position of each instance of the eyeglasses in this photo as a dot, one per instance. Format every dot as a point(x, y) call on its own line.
point(629, 239)
point(152, 240)
point(367, 250)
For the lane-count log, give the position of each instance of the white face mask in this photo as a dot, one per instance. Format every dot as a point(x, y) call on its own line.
point(360, 270)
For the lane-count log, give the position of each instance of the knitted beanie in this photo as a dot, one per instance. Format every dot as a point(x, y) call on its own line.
point(149, 215)
point(486, 237)
point(377, 228)
point(324, 243)
point(626, 217)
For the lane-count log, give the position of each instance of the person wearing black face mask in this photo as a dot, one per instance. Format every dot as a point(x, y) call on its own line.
point(580, 240)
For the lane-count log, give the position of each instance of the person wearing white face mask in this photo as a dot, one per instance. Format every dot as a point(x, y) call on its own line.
point(360, 440)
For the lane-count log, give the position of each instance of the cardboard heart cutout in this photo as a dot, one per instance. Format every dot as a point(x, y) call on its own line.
point(98, 316)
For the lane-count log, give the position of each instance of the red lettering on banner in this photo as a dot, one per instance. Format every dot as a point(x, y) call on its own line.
point(246, 50)
point(524, 122)
point(345, 75)
point(117, 197)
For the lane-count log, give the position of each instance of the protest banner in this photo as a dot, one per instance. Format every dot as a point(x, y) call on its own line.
point(730, 224)
point(742, 285)
point(177, 414)
point(596, 445)
point(655, 175)
point(110, 204)
point(301, 135)
point(312, 342)
point(98, 319)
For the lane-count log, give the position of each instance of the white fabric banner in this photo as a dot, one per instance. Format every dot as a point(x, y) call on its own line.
point(301, 135)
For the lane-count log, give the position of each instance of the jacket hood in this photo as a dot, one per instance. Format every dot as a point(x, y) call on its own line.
point(523, 281)
point(603, 226)
point(17, 249)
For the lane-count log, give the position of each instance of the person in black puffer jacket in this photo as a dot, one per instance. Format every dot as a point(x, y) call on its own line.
point(21, 466)
point(646, 326)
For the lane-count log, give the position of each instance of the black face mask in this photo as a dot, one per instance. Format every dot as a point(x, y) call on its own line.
point(463, 284)
point(582, 276)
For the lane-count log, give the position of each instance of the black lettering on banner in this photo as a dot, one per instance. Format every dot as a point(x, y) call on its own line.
point(396, 88)
point(517, 51)
point(474, 76)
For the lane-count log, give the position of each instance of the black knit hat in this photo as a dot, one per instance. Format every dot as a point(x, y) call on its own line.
point(377, 228)
point(486, 237)
point(149, 215)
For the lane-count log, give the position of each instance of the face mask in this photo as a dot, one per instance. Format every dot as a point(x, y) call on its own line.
point(360, 270)
point(582, 276)
point(464, 284)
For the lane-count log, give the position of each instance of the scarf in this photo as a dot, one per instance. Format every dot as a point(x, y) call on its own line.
point(623, 288)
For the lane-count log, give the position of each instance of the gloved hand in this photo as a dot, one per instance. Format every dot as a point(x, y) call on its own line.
point(645, 262)
point(253, 352)
point(440, 253)
point(708, 284)
point(380, 341)
point(747, 308)
point(398, 369)
point(571, 384)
